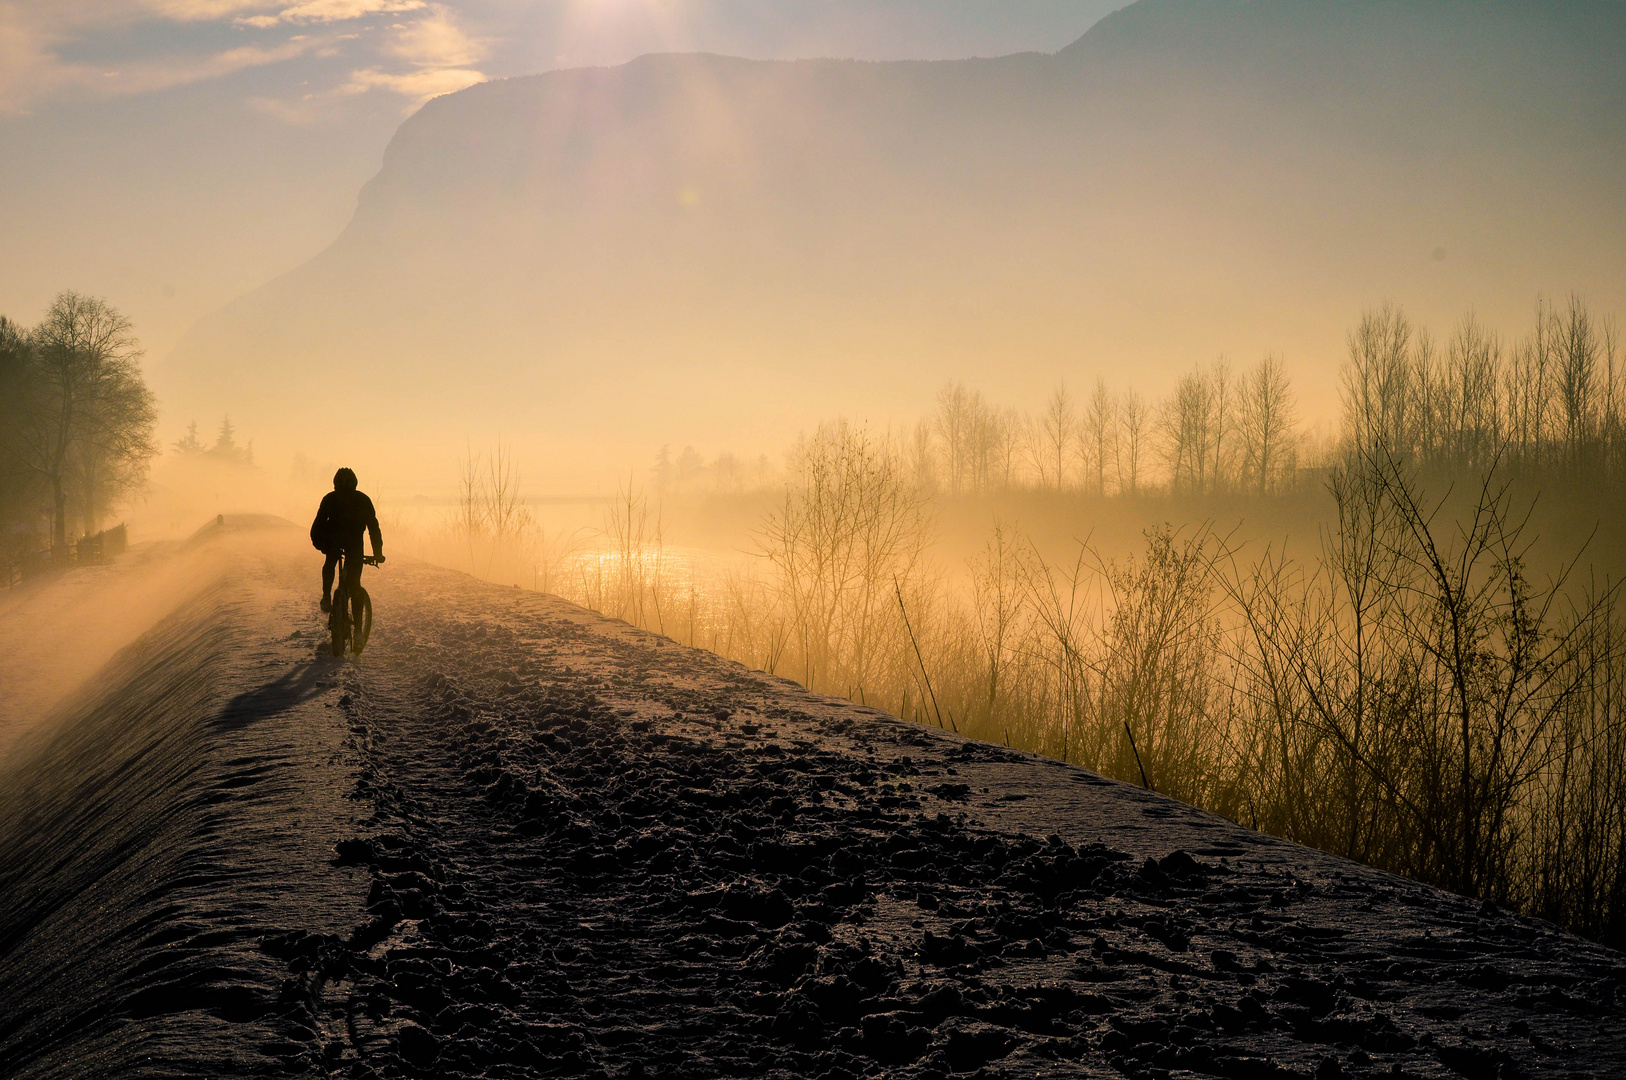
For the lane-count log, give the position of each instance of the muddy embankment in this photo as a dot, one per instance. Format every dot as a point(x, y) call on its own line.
point(163, 817)
point(517, 839)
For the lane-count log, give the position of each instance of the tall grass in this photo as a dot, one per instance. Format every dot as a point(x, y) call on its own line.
point(1408, 697)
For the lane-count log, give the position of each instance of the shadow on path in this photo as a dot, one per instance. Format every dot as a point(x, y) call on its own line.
point(297, 686)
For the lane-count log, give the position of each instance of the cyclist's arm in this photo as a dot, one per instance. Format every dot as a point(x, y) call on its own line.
point(374, 531)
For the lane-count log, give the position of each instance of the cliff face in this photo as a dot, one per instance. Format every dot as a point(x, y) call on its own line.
point(1188, 177)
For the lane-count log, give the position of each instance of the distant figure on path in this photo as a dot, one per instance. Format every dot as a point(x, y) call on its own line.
point(344, 514)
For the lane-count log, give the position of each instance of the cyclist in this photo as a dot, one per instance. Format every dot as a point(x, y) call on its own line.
point(344, 515)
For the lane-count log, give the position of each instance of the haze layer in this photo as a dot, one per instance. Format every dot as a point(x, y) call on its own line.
point(691, 246)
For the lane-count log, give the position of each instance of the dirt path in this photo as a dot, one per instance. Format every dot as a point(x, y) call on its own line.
point(583, 850)
point(597, 852)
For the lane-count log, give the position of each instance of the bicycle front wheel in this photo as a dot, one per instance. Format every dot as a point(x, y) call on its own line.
point(338, 622)
point(361, 622)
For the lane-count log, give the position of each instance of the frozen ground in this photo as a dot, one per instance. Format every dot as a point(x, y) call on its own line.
point(517, 839)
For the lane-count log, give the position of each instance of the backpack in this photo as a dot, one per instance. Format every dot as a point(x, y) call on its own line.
point(322, 535)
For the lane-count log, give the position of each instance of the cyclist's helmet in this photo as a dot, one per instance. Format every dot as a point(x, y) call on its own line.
point(344, 480)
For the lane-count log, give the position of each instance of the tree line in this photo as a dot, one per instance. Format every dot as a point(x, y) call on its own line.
point(76, 423)
point(1551, 402)
point(225, 448)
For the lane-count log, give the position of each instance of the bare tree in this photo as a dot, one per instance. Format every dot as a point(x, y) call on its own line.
point(957, 414)
point(1429, 673)
point(1186, 431)
point(922, 459)
point(850, 529)
point(1431, 399)
point(1579, 350)
point(1133, 421)
point(87, 414)
point(981, 443)
point(1528, 390)
point(1055, 438)
point(1266, 422)
point(1174, 417)
point(1221, 422)
point(1195, 425)
point(1377, 381)
point(1470, 403)
point(506, 514)
point(1007, 426)
point(20, 489)
point(491, 514)
point(1095, 433)
point(1612, 411)
point(982, 457)
point(16, 369)
point(634, 590)
point(662, 471)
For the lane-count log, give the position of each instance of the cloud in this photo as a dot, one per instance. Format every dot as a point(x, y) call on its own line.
point(420, 86)
point(300, 113)
point(325, 11)
point(435, 41)
point(184, 10)
point(415, 48)
point(260, 13)
point(441, 54)
point(32, 70)
point(147, 76)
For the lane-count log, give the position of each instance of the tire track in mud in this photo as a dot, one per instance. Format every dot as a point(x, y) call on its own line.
point(595, 853)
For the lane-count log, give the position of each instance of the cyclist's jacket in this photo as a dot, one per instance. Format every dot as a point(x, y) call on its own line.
point(340, 521)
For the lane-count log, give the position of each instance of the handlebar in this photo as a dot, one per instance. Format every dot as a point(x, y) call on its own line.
point(372, 560)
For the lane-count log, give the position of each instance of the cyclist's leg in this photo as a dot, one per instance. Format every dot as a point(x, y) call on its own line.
point(327, 578)
point(353, 594)
point(352, 569)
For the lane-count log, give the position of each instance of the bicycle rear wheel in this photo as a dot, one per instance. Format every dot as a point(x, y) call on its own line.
point(361, 622)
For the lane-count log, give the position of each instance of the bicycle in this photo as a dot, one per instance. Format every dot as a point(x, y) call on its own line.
point(351, 620)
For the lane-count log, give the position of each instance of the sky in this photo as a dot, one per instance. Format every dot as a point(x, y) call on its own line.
point(173, 154)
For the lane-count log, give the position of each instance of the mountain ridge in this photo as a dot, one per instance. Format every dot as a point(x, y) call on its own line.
point(886, 225)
